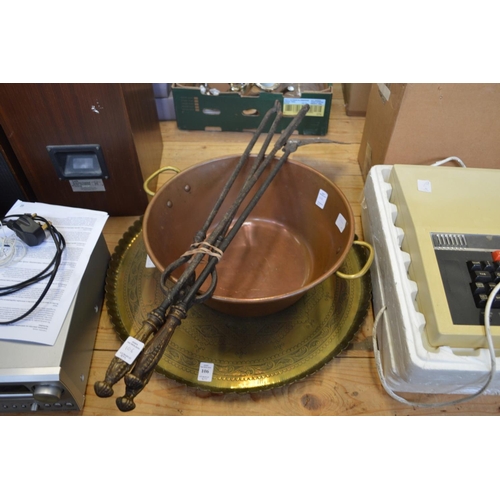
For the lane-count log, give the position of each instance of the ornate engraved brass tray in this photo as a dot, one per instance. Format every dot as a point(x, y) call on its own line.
point(248, 354)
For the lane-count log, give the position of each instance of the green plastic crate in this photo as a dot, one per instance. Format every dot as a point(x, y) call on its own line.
point(230, 111)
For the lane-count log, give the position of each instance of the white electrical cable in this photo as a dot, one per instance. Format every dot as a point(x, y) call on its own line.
point(7, 250)
point(9, 246)
point(446, 160)
point(491, 349)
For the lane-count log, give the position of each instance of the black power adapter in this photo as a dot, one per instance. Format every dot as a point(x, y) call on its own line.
point(31, 230)
point(27, 229)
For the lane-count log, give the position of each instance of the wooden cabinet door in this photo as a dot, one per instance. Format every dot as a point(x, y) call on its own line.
point(121, 118)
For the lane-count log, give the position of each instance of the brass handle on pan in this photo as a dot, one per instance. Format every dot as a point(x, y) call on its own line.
point(365, 268)
point(153, 175)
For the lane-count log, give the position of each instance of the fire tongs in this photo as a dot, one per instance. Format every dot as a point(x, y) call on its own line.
point(162, 321)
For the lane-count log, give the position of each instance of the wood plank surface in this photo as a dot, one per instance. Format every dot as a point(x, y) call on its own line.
point(349, 384)
point(345, 386)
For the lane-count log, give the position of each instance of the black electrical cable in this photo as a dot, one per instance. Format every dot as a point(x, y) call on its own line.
point(49, 272)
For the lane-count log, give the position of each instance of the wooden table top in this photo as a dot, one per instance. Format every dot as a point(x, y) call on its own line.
point(349, 384)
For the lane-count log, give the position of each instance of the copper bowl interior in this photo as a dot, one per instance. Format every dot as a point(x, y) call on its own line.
point(287, 245)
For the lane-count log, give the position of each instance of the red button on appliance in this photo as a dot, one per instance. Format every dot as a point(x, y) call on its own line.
point(495, 255)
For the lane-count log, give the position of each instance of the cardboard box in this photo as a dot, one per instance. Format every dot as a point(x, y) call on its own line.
point(356, 98)
point(243, 110)
point(420, 124)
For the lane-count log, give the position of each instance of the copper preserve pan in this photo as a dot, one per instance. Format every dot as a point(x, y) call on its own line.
point(289, 243)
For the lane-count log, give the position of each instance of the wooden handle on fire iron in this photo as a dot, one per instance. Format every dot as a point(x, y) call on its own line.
point(118, 368)
point(148, 359)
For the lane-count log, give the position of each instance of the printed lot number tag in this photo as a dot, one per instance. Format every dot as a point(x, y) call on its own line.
point(424, 186)
point(321, 198)
point(129, 350)
point(341, 222)
point(206, 371)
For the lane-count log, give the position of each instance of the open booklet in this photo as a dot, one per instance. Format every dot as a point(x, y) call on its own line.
point(81, 229)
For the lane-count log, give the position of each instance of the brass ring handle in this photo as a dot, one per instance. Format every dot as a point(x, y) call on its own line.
point(365, 267)
point(153, 175)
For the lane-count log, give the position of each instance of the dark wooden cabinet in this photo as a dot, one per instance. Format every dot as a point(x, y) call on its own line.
point(120, 118)
point(13, 183)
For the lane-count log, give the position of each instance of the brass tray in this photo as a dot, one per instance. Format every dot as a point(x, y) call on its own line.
point(248, 354)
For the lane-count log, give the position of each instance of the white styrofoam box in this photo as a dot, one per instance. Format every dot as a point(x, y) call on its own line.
point(409, 363)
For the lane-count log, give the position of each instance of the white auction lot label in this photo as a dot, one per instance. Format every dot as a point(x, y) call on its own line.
point(129, 350)
point(206, 371)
